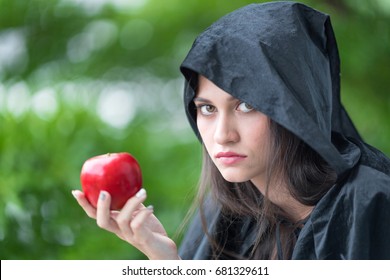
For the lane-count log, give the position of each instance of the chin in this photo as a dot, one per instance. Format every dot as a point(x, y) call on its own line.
point(234, 178)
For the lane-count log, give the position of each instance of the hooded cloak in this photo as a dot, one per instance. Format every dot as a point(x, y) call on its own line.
point(282, 59)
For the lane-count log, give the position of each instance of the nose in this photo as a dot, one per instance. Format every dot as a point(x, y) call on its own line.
point(226, 130)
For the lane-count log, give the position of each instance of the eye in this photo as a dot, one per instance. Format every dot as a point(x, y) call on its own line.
point(206, 109)
point(244, 107)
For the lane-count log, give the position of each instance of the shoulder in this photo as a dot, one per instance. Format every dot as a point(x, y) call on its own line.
point(373, 158)
point(365, 182)
point(369, 179)
point(349, 221)
point(364, 191)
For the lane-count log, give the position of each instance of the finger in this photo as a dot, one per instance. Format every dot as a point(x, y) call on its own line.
point(138, 224)
point(84, 203)
point(128, 212)
point(114, 213)
point(103, 213)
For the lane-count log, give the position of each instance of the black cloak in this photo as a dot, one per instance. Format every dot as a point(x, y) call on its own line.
point(282, 59)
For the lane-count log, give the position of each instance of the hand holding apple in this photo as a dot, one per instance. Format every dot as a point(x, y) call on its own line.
point(113, 181)
point(117, 173)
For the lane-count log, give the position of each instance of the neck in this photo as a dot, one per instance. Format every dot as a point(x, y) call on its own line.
point(279, 195)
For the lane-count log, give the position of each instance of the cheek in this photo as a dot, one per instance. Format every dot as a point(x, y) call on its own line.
point(258, 134)
point(205, 129)
point(206, 134)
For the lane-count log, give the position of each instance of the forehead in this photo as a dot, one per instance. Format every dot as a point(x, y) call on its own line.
point(208, 90)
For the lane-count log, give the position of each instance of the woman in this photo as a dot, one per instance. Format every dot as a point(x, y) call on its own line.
point(285, 173)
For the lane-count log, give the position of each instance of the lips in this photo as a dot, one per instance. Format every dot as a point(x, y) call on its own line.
point(229, 158)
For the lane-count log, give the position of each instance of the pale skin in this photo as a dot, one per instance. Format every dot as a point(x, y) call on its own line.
point(220, 119)
point(227, 124)
point(135, 224)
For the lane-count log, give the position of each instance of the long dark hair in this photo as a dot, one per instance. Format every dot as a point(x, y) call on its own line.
point(307, 176)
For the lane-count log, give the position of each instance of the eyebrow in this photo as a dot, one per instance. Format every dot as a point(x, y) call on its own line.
point(201, 99)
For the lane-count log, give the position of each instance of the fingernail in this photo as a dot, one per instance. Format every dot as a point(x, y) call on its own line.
point(141, 193)
point(102, 195)
point(150, 207)
point(74, 194)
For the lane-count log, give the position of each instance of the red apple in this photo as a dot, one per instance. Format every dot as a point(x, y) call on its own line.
point(117, 173)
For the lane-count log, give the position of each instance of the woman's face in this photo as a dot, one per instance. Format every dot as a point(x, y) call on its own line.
point(235, 135)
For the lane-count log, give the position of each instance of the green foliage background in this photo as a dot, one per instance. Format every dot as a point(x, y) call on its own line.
point(71, 70)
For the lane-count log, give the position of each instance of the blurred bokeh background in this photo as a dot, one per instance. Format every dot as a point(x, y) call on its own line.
point(80, 78)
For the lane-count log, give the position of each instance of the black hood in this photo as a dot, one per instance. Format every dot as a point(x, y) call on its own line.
point(282, 59)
